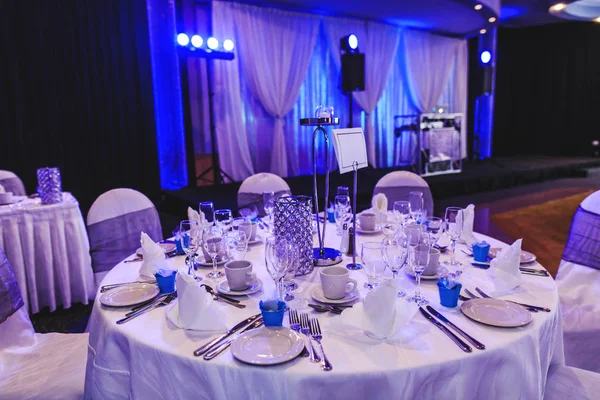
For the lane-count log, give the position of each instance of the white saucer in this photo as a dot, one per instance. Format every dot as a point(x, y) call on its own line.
point(129, 295)
point(359, 230)
point(267, 345)
point(410, 272)
point(496, 312)
point(201, 262)
point(257, 239)
point(317, 293)
point(167, 248)
point(223, 287)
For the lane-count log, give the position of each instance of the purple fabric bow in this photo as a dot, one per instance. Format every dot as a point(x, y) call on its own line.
point(10, 295)
point(583, 244)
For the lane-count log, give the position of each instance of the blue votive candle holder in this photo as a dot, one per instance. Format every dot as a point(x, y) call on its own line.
point(272, 312)
point(166, 280)
point(330, 216)
point(481, 251)
point(448, 292)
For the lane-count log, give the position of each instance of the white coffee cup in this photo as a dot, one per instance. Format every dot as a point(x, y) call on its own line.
point(239, 274)
point(434, 259)
point(249, 228)
point(367, 221)
point(336, 282)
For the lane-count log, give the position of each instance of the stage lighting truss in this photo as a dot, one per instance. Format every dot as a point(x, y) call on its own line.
point(196, 46)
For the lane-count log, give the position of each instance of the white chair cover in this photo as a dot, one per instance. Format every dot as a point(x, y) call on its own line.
point(578, 281)
point(251, 190)
point(114, 223)
point(37, 366)
point(398, 184)
point(12, 183)
point(567, 383)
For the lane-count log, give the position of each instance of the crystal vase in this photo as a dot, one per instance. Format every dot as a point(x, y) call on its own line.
point(293, 223)
point(49, 185)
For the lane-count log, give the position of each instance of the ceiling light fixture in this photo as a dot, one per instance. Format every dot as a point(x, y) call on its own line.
point(483, 31)
point(478, 7)
point(597, 20)
point(558, 7)
point(492, 20)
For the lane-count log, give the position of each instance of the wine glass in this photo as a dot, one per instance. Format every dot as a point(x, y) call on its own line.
point(269, 204)
point(372, 263)
point(208, 209)
point(237, 244)
point(223, 219)
point(434, 230)
point(417, 206)
point(343, 191)
point(276, 260)
point(212, 241)
point(402, 211)
point(288, 280)
point(422, 254)
point(189, 230)
point(454, 227)
point(395, 252)
point(341, 211)
point(249, 212)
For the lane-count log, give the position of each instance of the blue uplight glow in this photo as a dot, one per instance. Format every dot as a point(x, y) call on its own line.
point(353, 42)
point(486, 56)
point(183, 39)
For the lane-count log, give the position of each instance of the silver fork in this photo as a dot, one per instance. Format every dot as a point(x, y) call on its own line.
point(527, 306)
point(295, 325)
point(305, 328)
point(315, 332)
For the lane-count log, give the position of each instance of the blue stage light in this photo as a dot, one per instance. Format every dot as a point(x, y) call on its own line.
point(212, 43)
point(353, 42)
point(183, 39)
point(197, 41)
point(228, 45)
point(486, 56)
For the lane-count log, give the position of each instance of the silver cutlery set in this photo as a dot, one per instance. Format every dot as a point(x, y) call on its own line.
point(524, 270)
point(216, 346)
point(311, 329)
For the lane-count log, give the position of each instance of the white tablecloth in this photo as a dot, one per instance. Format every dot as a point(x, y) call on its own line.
point(48, 248)
point(150, 358)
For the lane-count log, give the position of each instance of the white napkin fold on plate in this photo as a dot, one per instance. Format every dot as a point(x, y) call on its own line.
point(468, 216)
point(194, 309)
point(153, 257)
point(379, 315)
point(194, 215)
point(504, 269)
point(379, 206)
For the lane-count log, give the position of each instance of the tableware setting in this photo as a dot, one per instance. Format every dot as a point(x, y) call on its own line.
point(524, 258)
point(267, 346)
point(224, 288)
point(129, 295)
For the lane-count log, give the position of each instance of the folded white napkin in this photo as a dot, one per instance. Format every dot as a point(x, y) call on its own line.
point(195, 309)
point(153, 257)
point(379, 202)
point(467, 233)
point(504, 269)
point(379, 315)
point(194, 215)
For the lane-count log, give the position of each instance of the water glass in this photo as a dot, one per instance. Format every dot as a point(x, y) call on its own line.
point(454, 227)
point(372, 263)
point(208, 209)
point(276, 260)
point(422, 254)
point(402, 211)
point(269, 204)
point(434, 230)
point(191, 237)
point(223, 219)
point(417, 206)
point(213, 243)
point(237, 245)
point(395, 253)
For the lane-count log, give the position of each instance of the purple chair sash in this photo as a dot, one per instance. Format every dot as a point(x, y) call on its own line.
point(396, 193)
point(14, 185)
point(245, 199)
point(114, 239)
point(10, 295)
point(583, 244)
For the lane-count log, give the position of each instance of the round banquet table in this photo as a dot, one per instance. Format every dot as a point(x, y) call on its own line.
point(149, 358)
point(48, 248)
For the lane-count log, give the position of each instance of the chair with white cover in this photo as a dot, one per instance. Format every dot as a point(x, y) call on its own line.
point(12, 183)
point(251, 191)
point(114, 224)
point(33, 365)
point(578, 281)
point(398, 184)
point(571, 383)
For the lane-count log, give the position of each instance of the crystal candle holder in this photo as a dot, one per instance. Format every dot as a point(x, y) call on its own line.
point(49, 185)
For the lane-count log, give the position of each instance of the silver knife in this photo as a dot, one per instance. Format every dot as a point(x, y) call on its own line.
point(204, 348)
point(473, 341)
point(148, 304)
point(463, 346)
point(220, 348)
point(162, 303)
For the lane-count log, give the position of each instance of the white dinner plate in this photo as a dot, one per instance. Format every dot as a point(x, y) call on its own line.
point(440, 271)
point(496, 312)
point(526, 257)
point(317, 293)
point(267, 345)
point(167, 247)
point(129, 295)
point(223, 287)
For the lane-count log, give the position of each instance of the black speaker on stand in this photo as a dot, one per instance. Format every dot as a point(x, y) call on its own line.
point(353, 70)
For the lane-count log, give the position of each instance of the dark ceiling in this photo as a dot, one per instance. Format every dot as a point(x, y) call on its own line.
point(518, 13)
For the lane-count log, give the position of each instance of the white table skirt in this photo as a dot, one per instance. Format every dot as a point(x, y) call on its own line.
point(150, 358)
point(48, 248)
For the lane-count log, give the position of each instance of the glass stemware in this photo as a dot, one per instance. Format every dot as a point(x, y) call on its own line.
point(208, 209)
point(454, 227)
point(276, 260)
point(341, 211)
point(402, 211)
point(212, 241)
point(372, 263)
point(395, 252)
point(434, 230)
point(249, 212)
point(237, 244)
point(422, 254)
point(288, 280)
point(189, 230)
point(269, 204)
point(223, 219)
point(417, 206)
point(413, 234)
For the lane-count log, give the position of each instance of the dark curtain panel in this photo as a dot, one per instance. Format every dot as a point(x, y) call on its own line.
point(548, 90)
point(76, 93)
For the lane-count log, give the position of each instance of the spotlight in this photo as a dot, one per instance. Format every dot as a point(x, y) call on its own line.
point(558, 7)
point(349, 43)
point(212, 43)
point(478, 7)
point(597, 20)
point(197, 41)
point(486, 57)
point(183, 39)
point(482, 31)
point(492, 20)
point(228, 45)
point(353, 42)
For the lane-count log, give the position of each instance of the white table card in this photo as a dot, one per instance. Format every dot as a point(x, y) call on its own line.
point(350, 147)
